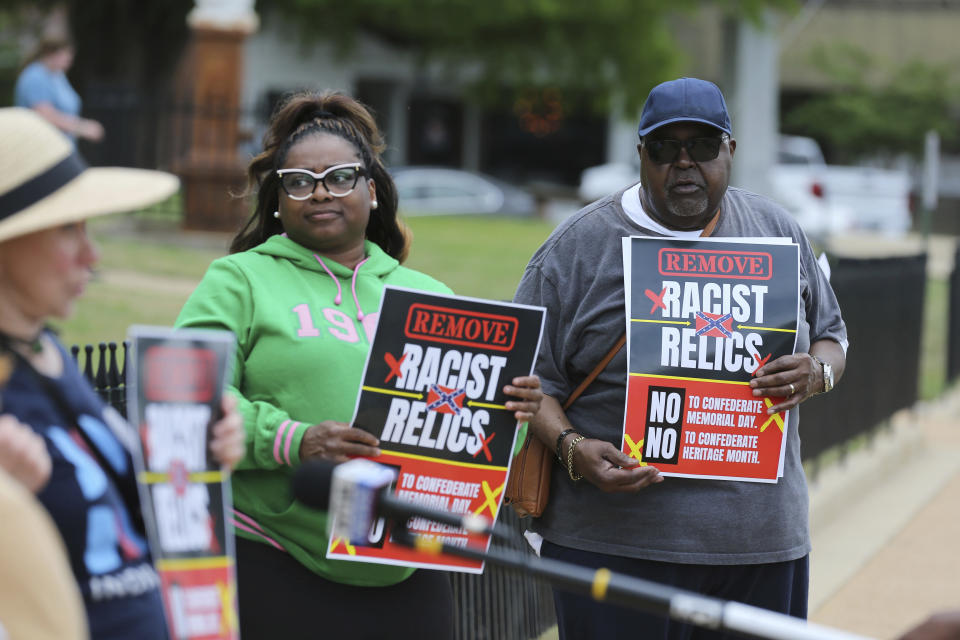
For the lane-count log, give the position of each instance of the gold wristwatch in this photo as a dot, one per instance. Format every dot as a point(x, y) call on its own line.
point(827, 374)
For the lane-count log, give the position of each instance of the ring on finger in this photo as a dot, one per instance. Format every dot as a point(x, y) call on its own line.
point(793, 389)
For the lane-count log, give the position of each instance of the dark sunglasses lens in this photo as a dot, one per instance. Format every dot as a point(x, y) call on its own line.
point(703, 149)
point(699, 149)
point(663, 151)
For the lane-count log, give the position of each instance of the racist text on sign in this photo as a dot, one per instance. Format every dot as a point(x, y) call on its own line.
point(433, 394)
point(175, 383)
point(702, 316)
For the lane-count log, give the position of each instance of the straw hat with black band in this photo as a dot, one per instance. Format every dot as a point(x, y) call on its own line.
point(44, 183)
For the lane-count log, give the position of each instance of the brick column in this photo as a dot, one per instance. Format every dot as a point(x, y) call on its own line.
point(212, 169)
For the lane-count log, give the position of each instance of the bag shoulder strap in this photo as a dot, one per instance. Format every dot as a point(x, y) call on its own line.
point(596, 371)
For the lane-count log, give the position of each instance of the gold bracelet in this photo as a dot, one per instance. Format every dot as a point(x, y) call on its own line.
point(573, 445)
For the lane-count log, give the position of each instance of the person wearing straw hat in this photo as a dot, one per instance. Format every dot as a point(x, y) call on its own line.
point(46, 194)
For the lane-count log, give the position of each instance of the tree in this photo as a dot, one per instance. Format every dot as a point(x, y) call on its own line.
point(597, 48)
point(874, 109)
point(495, 49)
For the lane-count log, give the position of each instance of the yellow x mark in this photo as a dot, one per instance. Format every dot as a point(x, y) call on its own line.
point(775, 417)
point(490, 500)
point(351, 550)
point(636, 449)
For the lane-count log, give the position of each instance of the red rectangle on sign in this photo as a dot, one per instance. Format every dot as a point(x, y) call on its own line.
point(200, 603)
point(703, 263)
point(179, 374)
point(460, 327)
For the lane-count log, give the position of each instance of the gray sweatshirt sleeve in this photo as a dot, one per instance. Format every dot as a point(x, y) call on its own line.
point(536, 289)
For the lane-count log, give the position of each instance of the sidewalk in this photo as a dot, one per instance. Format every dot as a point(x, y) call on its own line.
point(886, 526)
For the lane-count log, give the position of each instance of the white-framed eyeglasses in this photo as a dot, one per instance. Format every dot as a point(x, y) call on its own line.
point(339, 180)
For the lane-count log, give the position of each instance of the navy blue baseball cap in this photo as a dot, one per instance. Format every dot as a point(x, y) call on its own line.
point(684, 100)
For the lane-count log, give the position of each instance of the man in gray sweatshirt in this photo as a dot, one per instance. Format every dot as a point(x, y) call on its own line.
point(743, 541)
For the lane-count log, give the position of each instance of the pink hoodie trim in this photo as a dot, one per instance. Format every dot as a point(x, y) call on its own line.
point(268, 539)
point(277, 440)
point(353, 284)
point(353, 288)
point(292, 429)
point(336, 281)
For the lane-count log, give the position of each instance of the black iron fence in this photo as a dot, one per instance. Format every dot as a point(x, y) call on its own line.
point(953, 321)
point(882, 301)
point(163, 134)
point(106, 370)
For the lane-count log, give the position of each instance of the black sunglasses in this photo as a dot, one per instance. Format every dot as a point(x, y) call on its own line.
point(667, 151)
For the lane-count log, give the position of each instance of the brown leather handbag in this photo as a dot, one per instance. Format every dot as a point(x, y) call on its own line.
point(528, 485)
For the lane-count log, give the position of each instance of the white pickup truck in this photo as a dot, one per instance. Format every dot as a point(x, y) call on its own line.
point(829, 199)
point(825, 199)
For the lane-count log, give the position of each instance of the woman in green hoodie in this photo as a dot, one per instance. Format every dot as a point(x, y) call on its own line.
point(301, 290)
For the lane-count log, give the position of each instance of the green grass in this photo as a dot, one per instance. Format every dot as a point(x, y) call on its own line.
point(482, 257)
point(933, 341)
point(106, 311)
point(154, 257)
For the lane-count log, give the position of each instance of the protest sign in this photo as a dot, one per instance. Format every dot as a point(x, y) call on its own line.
point(175, 383)
point(433, 394)
point(702, 316)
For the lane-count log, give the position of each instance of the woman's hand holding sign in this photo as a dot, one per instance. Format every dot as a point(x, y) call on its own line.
point(337, 441)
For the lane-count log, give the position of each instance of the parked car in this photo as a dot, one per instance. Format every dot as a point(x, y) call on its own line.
point(438, 190)
point(602, 180)
point(798, 181)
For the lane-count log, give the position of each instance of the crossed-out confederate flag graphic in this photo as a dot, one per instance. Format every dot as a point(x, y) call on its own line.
point(444, 400)
point(714, 325)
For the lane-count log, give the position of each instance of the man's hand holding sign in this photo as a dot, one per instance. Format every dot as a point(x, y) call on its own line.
point(801, 375)
point(599, 462)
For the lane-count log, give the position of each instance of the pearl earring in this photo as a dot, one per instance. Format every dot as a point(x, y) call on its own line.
point(374, 204)
point(276, 214)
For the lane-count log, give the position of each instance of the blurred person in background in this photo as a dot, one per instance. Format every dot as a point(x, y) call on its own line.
point(301, 291)
point(46, 194)
point(43, 86)
point(743, 541)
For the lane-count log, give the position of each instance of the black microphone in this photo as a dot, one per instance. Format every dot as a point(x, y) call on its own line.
point(357, 492)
